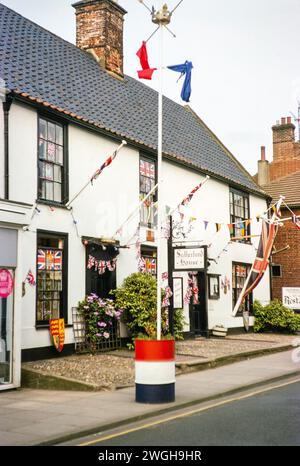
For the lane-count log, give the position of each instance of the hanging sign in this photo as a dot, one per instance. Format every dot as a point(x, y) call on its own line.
point(6, 283)
point(291, 298)
point(57, 330)
point(190, 258)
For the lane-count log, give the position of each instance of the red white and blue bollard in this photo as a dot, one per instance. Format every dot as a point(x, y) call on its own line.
point(155, 371)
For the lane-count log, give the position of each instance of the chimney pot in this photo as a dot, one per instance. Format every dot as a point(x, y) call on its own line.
point(263, 153)
point(99, 30)
point(289, 120)
point(283, 120)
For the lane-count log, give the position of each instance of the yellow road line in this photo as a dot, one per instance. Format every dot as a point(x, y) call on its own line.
point(189, 413)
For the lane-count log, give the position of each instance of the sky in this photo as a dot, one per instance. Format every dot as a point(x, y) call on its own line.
point(245, 54)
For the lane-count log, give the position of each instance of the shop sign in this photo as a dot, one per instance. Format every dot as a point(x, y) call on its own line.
point(189, 259)
point(291, 297)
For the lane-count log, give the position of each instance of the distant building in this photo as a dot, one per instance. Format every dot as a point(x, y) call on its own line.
point(282, 177)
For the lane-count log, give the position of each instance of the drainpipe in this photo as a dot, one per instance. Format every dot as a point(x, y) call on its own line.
point(6, 109)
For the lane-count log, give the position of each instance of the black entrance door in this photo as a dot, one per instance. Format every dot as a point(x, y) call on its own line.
point(100, 284)
point(198, 312)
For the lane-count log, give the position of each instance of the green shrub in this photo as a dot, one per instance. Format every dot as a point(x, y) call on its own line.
point(275, 317)
point(179, 323)
point(137, 297)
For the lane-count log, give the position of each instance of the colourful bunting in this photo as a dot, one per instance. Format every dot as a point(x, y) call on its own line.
point(231, 229)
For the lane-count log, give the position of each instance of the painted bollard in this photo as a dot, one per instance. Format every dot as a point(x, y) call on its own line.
point(154, 371)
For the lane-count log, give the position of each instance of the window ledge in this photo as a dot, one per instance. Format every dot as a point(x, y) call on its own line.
point(52, 204)
point(47, 326)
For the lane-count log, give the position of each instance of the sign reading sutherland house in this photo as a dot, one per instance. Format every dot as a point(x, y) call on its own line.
point(291, 297)
point(189, 258)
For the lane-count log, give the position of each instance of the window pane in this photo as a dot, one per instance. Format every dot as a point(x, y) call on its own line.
point(49, 191)
point(46, 171)
point(59, 135)
point(51, 152)
point(43, 128)
point(59, 155)
point(57, 173)
point(42, 149)
point(43, 189)
point(57, 192)
point(51, 132)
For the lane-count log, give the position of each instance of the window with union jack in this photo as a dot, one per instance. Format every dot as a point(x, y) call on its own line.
point(147, 183)
point(149, 260)
point(50, 278)
point(51, 161)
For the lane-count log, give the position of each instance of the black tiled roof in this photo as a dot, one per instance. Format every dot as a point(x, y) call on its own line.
point(43, 67)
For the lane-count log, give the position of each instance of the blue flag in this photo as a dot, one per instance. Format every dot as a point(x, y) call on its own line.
point(185, 69)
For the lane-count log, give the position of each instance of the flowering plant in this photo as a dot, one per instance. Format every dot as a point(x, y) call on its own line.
point(100, 316)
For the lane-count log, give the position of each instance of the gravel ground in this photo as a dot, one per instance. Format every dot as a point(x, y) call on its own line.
point(117, 369)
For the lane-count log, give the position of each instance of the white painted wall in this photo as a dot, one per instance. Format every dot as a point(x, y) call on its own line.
point(102, 208)
point(23, 146)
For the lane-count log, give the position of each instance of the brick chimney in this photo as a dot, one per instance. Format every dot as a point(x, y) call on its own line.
point(286, 155)
point(263, 169)
point(99, 30)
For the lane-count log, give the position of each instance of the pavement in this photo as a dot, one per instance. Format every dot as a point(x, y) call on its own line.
point(115, 370)
point(44, 417)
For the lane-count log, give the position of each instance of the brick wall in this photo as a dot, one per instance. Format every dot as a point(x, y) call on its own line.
point(289, 259)
point(286, 152)
point(99, 28)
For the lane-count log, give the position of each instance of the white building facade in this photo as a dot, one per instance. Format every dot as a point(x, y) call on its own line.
point(48, 156)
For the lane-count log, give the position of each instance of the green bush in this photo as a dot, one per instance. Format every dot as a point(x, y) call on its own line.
point(275, 317)
point(137, 297)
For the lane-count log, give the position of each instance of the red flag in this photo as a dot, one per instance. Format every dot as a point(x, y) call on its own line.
point(146, 72)
point(143, 56)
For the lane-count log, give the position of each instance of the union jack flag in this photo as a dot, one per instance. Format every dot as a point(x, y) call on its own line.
point(30, 278)
point(41, 259)
point(261, 262)
point(111, 265)
point(49, 259)
point(91, 262)
point(151, 266)
point(101, 267)
point(147, 169)
point(142, 264)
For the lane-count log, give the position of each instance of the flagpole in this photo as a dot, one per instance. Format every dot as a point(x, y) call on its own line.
point(240, 299)
point(160, 180)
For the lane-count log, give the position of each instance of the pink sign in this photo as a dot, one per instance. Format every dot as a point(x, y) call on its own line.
point(6, 283)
